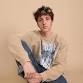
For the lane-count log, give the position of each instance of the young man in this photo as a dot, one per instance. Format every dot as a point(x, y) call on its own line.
point(41, 53)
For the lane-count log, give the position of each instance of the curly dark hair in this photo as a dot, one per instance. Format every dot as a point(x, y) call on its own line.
point(43, 11)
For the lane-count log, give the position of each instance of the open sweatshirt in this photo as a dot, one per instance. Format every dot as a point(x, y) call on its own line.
point(39, 46)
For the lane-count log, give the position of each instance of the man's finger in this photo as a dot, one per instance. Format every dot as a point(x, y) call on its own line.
point(25, 76)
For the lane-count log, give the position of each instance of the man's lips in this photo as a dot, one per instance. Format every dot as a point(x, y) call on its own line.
point(45, 27)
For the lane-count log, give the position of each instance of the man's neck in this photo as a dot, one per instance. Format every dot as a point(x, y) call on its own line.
point(45, 34)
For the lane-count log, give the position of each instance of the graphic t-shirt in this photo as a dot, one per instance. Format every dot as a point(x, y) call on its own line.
point(47, 52)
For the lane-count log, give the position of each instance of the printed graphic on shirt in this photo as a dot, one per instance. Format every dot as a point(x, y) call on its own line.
point(47, 52)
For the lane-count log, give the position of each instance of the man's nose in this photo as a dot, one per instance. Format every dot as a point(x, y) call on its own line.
point(44, 22)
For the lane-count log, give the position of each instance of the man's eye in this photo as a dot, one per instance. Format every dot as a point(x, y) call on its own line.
point(47, 18)
point(40, 19)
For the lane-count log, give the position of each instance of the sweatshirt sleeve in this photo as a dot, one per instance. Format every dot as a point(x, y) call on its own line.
point(16, 49)
point(58, 64)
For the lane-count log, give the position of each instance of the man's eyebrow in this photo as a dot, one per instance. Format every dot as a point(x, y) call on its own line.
point(40, 17)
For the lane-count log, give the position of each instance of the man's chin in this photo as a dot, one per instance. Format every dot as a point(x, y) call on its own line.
point(45, 31)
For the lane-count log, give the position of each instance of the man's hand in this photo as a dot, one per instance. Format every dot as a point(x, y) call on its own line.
point(34, 78)
point(28, 68)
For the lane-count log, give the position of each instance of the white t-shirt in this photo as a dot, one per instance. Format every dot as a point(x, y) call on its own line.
point(47, 52)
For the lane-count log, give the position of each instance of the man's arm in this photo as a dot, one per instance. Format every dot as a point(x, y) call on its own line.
point(58, 64)
point(17, 50)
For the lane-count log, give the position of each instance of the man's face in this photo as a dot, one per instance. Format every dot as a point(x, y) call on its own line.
point(44, 23)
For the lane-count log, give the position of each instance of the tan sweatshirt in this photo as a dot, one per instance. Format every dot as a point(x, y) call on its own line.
point(33, 39)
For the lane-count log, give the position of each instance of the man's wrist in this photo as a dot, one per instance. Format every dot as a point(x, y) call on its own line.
point(41, 78)
point(27, 62)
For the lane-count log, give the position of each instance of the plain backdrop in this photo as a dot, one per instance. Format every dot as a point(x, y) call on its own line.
point(16, 16)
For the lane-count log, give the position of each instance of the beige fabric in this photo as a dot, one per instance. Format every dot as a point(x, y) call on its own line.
point(33, 39)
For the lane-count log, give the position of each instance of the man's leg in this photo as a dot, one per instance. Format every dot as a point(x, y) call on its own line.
point(34, 62)
point(61, 79)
